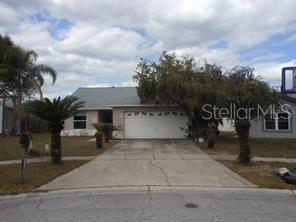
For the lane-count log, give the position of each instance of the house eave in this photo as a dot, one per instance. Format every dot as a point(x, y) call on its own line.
point(143, 105)
point(287, 97)
point(98, 108)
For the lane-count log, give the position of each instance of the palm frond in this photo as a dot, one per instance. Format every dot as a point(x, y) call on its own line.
point(45, 69)
point(55, 111)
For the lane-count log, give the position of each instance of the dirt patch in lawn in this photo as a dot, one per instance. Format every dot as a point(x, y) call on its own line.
point(261, 173)
point(37, 174)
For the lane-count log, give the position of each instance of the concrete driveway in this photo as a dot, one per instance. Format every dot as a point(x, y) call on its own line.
point(132, 163)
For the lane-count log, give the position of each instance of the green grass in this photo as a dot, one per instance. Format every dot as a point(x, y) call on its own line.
point(263, 147)
point(71, 146)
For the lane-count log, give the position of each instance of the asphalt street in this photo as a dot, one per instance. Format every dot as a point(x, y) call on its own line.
point(204, 205)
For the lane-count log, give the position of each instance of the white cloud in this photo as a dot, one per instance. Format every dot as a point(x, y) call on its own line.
point(122, 84)
point(105, 44)
point(291, 38)
point(223, 57)
point(107, 37)
point(272, 71)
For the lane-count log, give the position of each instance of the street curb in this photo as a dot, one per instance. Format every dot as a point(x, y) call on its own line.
point(151, 189)
point(44, 159)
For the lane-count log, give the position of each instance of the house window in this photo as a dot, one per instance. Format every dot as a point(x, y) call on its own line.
point(277, 122)
point(80, 121)
point(269, 122)
point(283, 121)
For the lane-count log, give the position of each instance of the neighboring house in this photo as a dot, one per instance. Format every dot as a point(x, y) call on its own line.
point(279, 125)
point(6, 117)
point(121, 106)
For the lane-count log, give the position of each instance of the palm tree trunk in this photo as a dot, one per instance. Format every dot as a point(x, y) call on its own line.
point(14, 116)
point(40, 93)
point(38, 87)
point(56, 149)
point(19, 113)
point(242, 128)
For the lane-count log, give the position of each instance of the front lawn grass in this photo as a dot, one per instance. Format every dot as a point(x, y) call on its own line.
point(261, 147)
point(71, 146)
point(261, 173)
point(36, 175)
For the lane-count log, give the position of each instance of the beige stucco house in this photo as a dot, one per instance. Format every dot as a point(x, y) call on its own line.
point(121, 106)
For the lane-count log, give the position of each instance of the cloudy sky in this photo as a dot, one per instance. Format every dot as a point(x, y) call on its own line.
point(99, 43)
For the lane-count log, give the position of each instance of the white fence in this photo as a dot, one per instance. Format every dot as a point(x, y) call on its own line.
point(78, 132)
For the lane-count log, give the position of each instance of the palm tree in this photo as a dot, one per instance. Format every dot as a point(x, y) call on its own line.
point(34, 73)
point(246, 92)
point(38, 71)
point(55, 112)
point(20, 74)
point(30, 76)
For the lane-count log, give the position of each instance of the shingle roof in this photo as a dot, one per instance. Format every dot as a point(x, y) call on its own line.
point(289, 96)
point(103, 97)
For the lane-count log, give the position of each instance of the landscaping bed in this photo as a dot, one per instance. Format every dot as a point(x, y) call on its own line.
point(71, 146)
point(261, 173)
point(36, 175)
point(261, 147)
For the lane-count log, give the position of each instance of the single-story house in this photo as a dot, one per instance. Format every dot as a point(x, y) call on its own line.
point(122, 107)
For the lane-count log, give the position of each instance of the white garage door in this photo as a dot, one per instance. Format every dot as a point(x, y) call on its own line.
point(155, 125)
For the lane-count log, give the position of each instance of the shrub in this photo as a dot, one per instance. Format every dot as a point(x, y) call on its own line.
point(106, 128)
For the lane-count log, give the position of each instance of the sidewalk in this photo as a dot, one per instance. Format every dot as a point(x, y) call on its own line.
point(262, 159)
point(45, 159)
point(214, 156)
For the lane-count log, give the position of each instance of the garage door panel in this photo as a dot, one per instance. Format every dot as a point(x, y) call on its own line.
point(155, 125)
